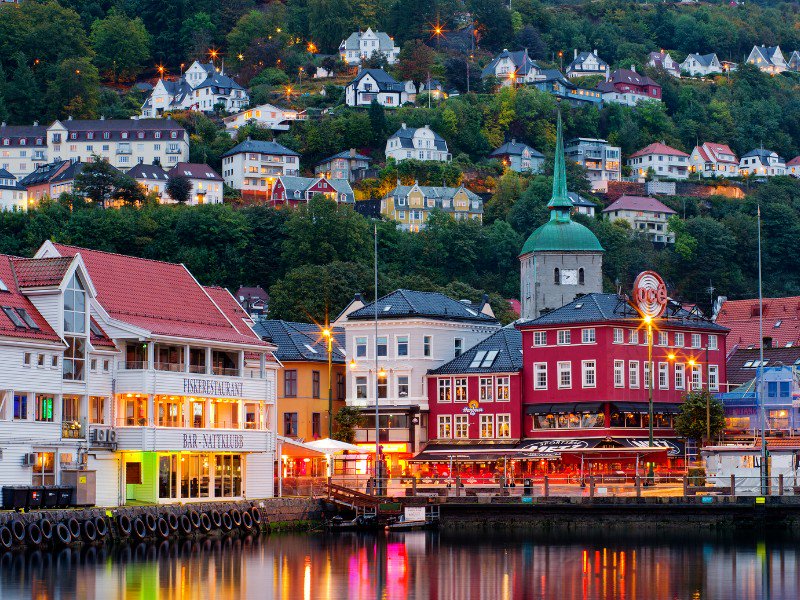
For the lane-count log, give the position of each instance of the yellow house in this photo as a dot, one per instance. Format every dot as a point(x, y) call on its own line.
point(411, 205)
point(303, 409)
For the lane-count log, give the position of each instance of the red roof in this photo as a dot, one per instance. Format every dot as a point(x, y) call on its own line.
point(13, 298)
point(232, 310)
point(100, 339)
point(163, 298)
point(41, 272)
point(793, 162)
point(642, 203)
point(718, 149)
point(658, 148)
point(781, 321)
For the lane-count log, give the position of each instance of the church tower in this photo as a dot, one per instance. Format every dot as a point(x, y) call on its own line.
point(561, 259)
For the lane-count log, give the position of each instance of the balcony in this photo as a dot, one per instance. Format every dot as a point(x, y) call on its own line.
point(124, 149)
point(73, 429)
point(166, 378)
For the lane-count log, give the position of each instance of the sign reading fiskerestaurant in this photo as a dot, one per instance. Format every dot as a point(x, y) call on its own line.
point(213, 441)
point(210, 387)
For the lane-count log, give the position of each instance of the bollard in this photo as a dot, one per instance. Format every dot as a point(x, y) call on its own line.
point(733, 486)
point(546, 486)
point(780, 484)
point(638, 487)
point(685, 486)
point(591, 486)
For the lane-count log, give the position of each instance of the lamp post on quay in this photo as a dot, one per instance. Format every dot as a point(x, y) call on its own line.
point(327, 333)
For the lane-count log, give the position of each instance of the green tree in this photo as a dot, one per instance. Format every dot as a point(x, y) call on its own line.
point(121, 45)
point(75, 90)
point(179, 188)
point(97, 181)
point(698, 410)
point(197, 33)
point(416, 60)
point(23, 97)
point(347, 419)
point(377, 120)
point(129, 191)
point(255, 25)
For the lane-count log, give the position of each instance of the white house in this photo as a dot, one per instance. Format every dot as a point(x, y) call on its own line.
point(207, 185)
point(513, 67)
point(582, 205)
point(714, 160)
point(264, 115)
point(664, 61)
point(13, 196)
point(793, 63)
point(124, 143)
point(203, 87)
point(417, 331)
point(768, 59)
point(23, 148)
point(117, 382)
point(254, 166)
point(665, 161)
point(601, 160)
point(587, 64)
point(363, 45)
point(349, 165)
point(645, 215)
point(519, 157)
point(761, 163)
point(152, 178)
point(421, 143)
point(700, 65)
point(377, 84)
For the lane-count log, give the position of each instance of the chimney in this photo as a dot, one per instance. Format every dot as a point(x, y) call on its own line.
point(594, 51)
point(102, 117)
point(35, 123)
point(3, 124)
point(403, 125)
point(633, 68)
point(574, 53)
point(69, 118)
point(352, 152)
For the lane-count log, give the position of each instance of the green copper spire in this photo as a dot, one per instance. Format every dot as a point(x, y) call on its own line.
point(560, 205)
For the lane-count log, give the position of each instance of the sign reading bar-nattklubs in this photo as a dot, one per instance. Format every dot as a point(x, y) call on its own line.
point(213, 441)
point(210, 387)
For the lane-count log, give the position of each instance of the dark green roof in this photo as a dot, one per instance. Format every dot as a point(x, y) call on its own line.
point(562, 236)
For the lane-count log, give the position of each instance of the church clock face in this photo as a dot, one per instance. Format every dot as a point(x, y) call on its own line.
point(569, 277)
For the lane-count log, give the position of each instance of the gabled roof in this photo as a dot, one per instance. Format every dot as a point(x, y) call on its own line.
point(626, 76)
point(11, 297)
point(41, 272)
point(99, 338)
point(301, 341)
point(501, 352)
point(217, 79)
point(742, 363)
point(523, 64)
point(769, 53)
point(712, 152)
point(762, 154)
point(658, 148)
point(260, 146)
point(781, 321)
point(72, 171)
point(578, 200)
point(704, 60)
point(150, 172)
point(43, 174)
point(194, 171)
point(406, 137)
point(597, 308)
point(13, 183)
point(578, 61)
point(438, 193)
point(385, 43)
point(345, 154)
point(794, 162)
point(384, 81)
point(163, 298)
point(409, 303)
point(639, 203)
point(515, 148)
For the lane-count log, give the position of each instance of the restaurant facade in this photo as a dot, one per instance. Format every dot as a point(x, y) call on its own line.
point(160, 392)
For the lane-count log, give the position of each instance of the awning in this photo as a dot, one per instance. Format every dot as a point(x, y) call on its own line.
point(465, 453)
point(564, 408)
point(331, 446)
point(675, 448)
point(295, 449)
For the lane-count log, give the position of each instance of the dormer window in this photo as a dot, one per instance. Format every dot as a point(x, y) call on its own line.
point(140, 135)
point(124, 135)
point(157, 135)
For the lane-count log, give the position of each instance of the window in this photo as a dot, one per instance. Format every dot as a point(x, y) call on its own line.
point(462, 427)
point(426, 345)
point(633, 336)
point(712, 342)
point(290, 424)
point(564, 375)
point(44, 470)
point(315, 384)
point(696, 342)
point(445, 390)
point(588, 336)
point(487, 426)
point(402, 345)
point(402, 386)
point(680, 376)
point(589, 369)
point(539, 338)
point(13, 317)
point(679, 340)
point(663, 338)
point(697, 378)
point(383, 386)
point(290, 383)
point(382, 346)
point(74, 323)
point(648, 369)
point(361, 387)
point(20, 406)
point(713, 378)
point(445, 425)
point(97, 409)
point(54, 362)
point(40, 360)
point(619, 373)
point(44, 408)
point(26, 359)
point(633, 373)
point(340, 386)
point(460, 389)
point(74, 358)
point(316, 425)
point(458, 346)
point(486, 389)
point(581, 277)
point(504, 426)
point(540, 376)
point(564, 336)
point(556, 276)
point(361, 347)
point(663, 376)
point(504, 389)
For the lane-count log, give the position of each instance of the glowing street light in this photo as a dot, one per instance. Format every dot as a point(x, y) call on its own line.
point(327, 333)
point(311, 47)
point(240, 56)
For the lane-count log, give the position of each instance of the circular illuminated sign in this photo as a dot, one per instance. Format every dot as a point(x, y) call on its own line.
point(650, 294)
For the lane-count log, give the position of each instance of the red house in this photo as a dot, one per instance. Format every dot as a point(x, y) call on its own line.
point(626, 81)
point(292, 191)
point(475, 405)
point(585, 372)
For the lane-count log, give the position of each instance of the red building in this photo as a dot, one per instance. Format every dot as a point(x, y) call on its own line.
point(627, 81)
point(585, 373)
point(296, 190)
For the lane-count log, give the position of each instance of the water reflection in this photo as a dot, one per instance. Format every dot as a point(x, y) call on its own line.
point(417, 565)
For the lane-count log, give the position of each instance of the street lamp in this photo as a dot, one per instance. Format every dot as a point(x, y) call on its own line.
point(328, 335)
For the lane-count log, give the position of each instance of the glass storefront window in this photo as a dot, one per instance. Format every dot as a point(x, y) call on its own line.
point(573, 420)
point(228, 476)
point(194, 475)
